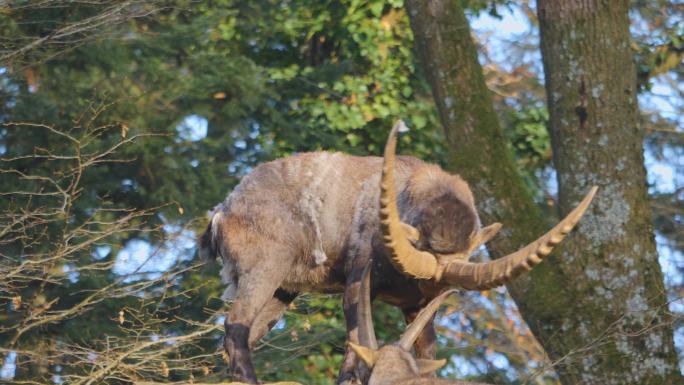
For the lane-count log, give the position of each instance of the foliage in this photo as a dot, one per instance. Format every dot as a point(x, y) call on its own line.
point(124, 122)
point(659, 37)
point(343, 69)
point(122, 105)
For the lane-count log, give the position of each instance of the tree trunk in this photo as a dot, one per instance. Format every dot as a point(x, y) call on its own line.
point(616, 297)
point(559, 300)
point(478, 150)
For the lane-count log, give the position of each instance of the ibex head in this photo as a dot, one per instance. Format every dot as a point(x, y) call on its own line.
point(393, 363)
point(452, 268)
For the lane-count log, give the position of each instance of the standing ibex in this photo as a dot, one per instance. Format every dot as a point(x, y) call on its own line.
point(311, 222)
point(393, 364)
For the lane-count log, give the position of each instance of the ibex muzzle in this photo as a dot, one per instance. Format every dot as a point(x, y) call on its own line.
point(311, 222)
point(393, 364)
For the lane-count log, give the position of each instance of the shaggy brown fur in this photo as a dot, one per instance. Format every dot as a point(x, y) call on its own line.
point(310, 222)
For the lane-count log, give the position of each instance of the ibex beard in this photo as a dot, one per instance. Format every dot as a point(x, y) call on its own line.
point(311, 222)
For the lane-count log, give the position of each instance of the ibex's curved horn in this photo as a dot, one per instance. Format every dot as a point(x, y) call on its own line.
point(365, 318)
point(482, 276)
point(416, 327)
point(403, 255)
point(470, 276)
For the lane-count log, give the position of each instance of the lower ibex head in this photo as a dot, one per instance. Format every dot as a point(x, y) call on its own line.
point(393, 363)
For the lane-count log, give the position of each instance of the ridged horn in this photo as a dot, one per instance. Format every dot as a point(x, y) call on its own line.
point(424, 316)
point(365, 318)
point(486, 275)
point(403, 255)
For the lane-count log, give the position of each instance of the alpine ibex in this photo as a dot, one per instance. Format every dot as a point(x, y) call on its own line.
point(393, 364)
point(311, 222)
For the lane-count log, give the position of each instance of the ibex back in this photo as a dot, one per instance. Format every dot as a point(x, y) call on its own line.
point(312, 221)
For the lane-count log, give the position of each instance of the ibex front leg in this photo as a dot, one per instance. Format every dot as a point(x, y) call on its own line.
point(354, 371)
point(349, 370)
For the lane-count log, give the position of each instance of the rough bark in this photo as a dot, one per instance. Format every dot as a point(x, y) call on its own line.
point(478, 151)
point(565, 300)
point(617, 292)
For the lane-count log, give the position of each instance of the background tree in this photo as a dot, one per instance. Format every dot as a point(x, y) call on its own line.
point(617, 293)
point(583, 306)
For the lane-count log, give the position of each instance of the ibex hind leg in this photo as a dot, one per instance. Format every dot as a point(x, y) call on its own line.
point(255, 288)
point(269, 315)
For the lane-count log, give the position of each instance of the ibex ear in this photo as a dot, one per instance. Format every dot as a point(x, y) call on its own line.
point(369, 356)
point(488, 232)
point(426, 366)
point(411, 232)
point(484, 235)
